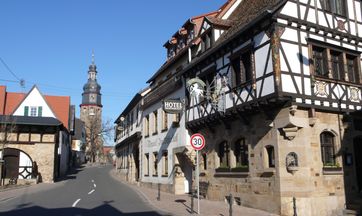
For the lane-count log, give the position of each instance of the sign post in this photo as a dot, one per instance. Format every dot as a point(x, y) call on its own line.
point(197, 142)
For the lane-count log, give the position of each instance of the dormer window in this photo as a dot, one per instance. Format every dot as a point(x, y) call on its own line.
point(190, 36)
point(171, 52)
point(181, 43)
point(207, 41)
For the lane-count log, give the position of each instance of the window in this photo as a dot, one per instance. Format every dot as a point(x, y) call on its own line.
point(165, 164)
point(204, 160)
point(176, 120)
point(223, 154)
point(241, 69)
point(352, 68)
point(164, 120)
point(34, 111)
point(155, 162)
point(147, 171)
point(341, 64)
point(320, 61)
point(147, 125)
point(270, 156)
point(335, 6)
point(337, 65)
point(155, 122)
point(327, 149)
point(241, 153)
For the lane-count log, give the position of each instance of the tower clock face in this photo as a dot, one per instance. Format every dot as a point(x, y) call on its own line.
point(92, 98)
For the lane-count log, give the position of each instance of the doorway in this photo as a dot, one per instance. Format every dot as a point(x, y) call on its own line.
point(357, 145)
point(11, 158)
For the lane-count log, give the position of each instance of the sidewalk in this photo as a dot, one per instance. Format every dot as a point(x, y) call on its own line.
point(180, 205)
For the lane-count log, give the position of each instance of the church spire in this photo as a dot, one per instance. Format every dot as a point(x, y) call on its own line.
point(93, 58)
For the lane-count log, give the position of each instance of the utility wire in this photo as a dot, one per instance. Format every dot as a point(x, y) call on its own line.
point(8, 68)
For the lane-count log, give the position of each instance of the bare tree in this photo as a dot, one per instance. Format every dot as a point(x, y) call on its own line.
point(7, 129)
point(97, 133)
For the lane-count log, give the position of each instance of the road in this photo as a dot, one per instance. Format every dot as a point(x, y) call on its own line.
point(88, 191)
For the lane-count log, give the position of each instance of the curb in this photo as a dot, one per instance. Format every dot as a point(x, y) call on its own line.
point(138, 191)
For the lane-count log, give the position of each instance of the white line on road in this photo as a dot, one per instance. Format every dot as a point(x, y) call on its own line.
point(75, 203)
point(94, 185)
point(90, 192)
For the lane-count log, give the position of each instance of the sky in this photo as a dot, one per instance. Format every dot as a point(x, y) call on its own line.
point(50, 43)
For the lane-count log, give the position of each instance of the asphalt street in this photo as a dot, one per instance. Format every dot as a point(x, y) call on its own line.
point(88, 191)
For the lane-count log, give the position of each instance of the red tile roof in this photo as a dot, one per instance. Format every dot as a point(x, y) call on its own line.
point(60, 105)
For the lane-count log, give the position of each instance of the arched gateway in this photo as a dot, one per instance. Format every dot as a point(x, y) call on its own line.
point(17, 164)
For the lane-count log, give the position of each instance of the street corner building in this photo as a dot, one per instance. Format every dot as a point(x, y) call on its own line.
point(275, 88)
point(35, 136)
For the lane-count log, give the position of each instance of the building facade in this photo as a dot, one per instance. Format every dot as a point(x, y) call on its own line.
point(128, 138)
point(275, 88)
point(91, 114)
point(35, 135)
point(278, 100)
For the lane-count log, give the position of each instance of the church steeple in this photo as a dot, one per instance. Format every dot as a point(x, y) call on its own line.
point(92, 90)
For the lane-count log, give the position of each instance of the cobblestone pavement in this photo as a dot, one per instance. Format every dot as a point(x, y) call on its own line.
point(180, 205)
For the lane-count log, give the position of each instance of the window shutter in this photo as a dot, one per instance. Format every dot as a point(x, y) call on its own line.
point(40, 111)
point(26, 111)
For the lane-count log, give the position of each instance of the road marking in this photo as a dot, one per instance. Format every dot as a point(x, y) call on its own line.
point(90, 192)
point(94, 185)
point(75, 203)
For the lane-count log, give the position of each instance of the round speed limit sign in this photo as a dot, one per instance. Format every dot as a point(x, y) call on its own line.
point(197, 141)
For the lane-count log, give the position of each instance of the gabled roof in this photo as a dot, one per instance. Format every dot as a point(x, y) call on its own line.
point(247, 14)
point(220, 22)
point(58, 104)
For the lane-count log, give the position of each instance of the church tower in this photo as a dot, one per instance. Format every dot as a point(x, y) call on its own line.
point(91, 113)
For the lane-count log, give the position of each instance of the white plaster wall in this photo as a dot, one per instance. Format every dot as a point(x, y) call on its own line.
point(173, 138)
point(34, 98)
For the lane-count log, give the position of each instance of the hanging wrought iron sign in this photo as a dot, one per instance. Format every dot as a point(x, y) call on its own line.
point(172, 106)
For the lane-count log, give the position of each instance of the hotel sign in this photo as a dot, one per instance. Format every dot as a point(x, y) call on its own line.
point(172, 106)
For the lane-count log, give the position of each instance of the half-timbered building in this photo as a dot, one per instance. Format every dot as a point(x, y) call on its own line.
point(35, 135)
point(276, 90)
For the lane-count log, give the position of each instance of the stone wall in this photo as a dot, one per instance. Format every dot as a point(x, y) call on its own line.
point(273, 188)
point(43, 155)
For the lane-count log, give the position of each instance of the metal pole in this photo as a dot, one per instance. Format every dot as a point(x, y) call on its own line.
point(159, 192)
point(231, 205)
point(192, 201)
point(198, 182)
point(294, 207)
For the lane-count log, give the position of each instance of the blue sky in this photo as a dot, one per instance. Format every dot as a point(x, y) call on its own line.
point(49, 43)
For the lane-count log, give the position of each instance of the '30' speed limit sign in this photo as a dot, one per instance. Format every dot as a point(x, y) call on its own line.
point(197, 141)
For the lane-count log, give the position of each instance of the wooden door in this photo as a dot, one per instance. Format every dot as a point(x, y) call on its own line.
point(11, 158)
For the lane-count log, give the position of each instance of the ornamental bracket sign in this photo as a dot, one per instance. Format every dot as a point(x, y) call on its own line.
point(173, 106)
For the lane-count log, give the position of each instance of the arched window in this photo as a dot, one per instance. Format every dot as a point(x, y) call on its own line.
point(271, 155)
point(327, 140)
point(241, 153)
point(204, 159)
point(223, 154)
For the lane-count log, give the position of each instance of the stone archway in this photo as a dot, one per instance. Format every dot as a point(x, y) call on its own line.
point(17, 164)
